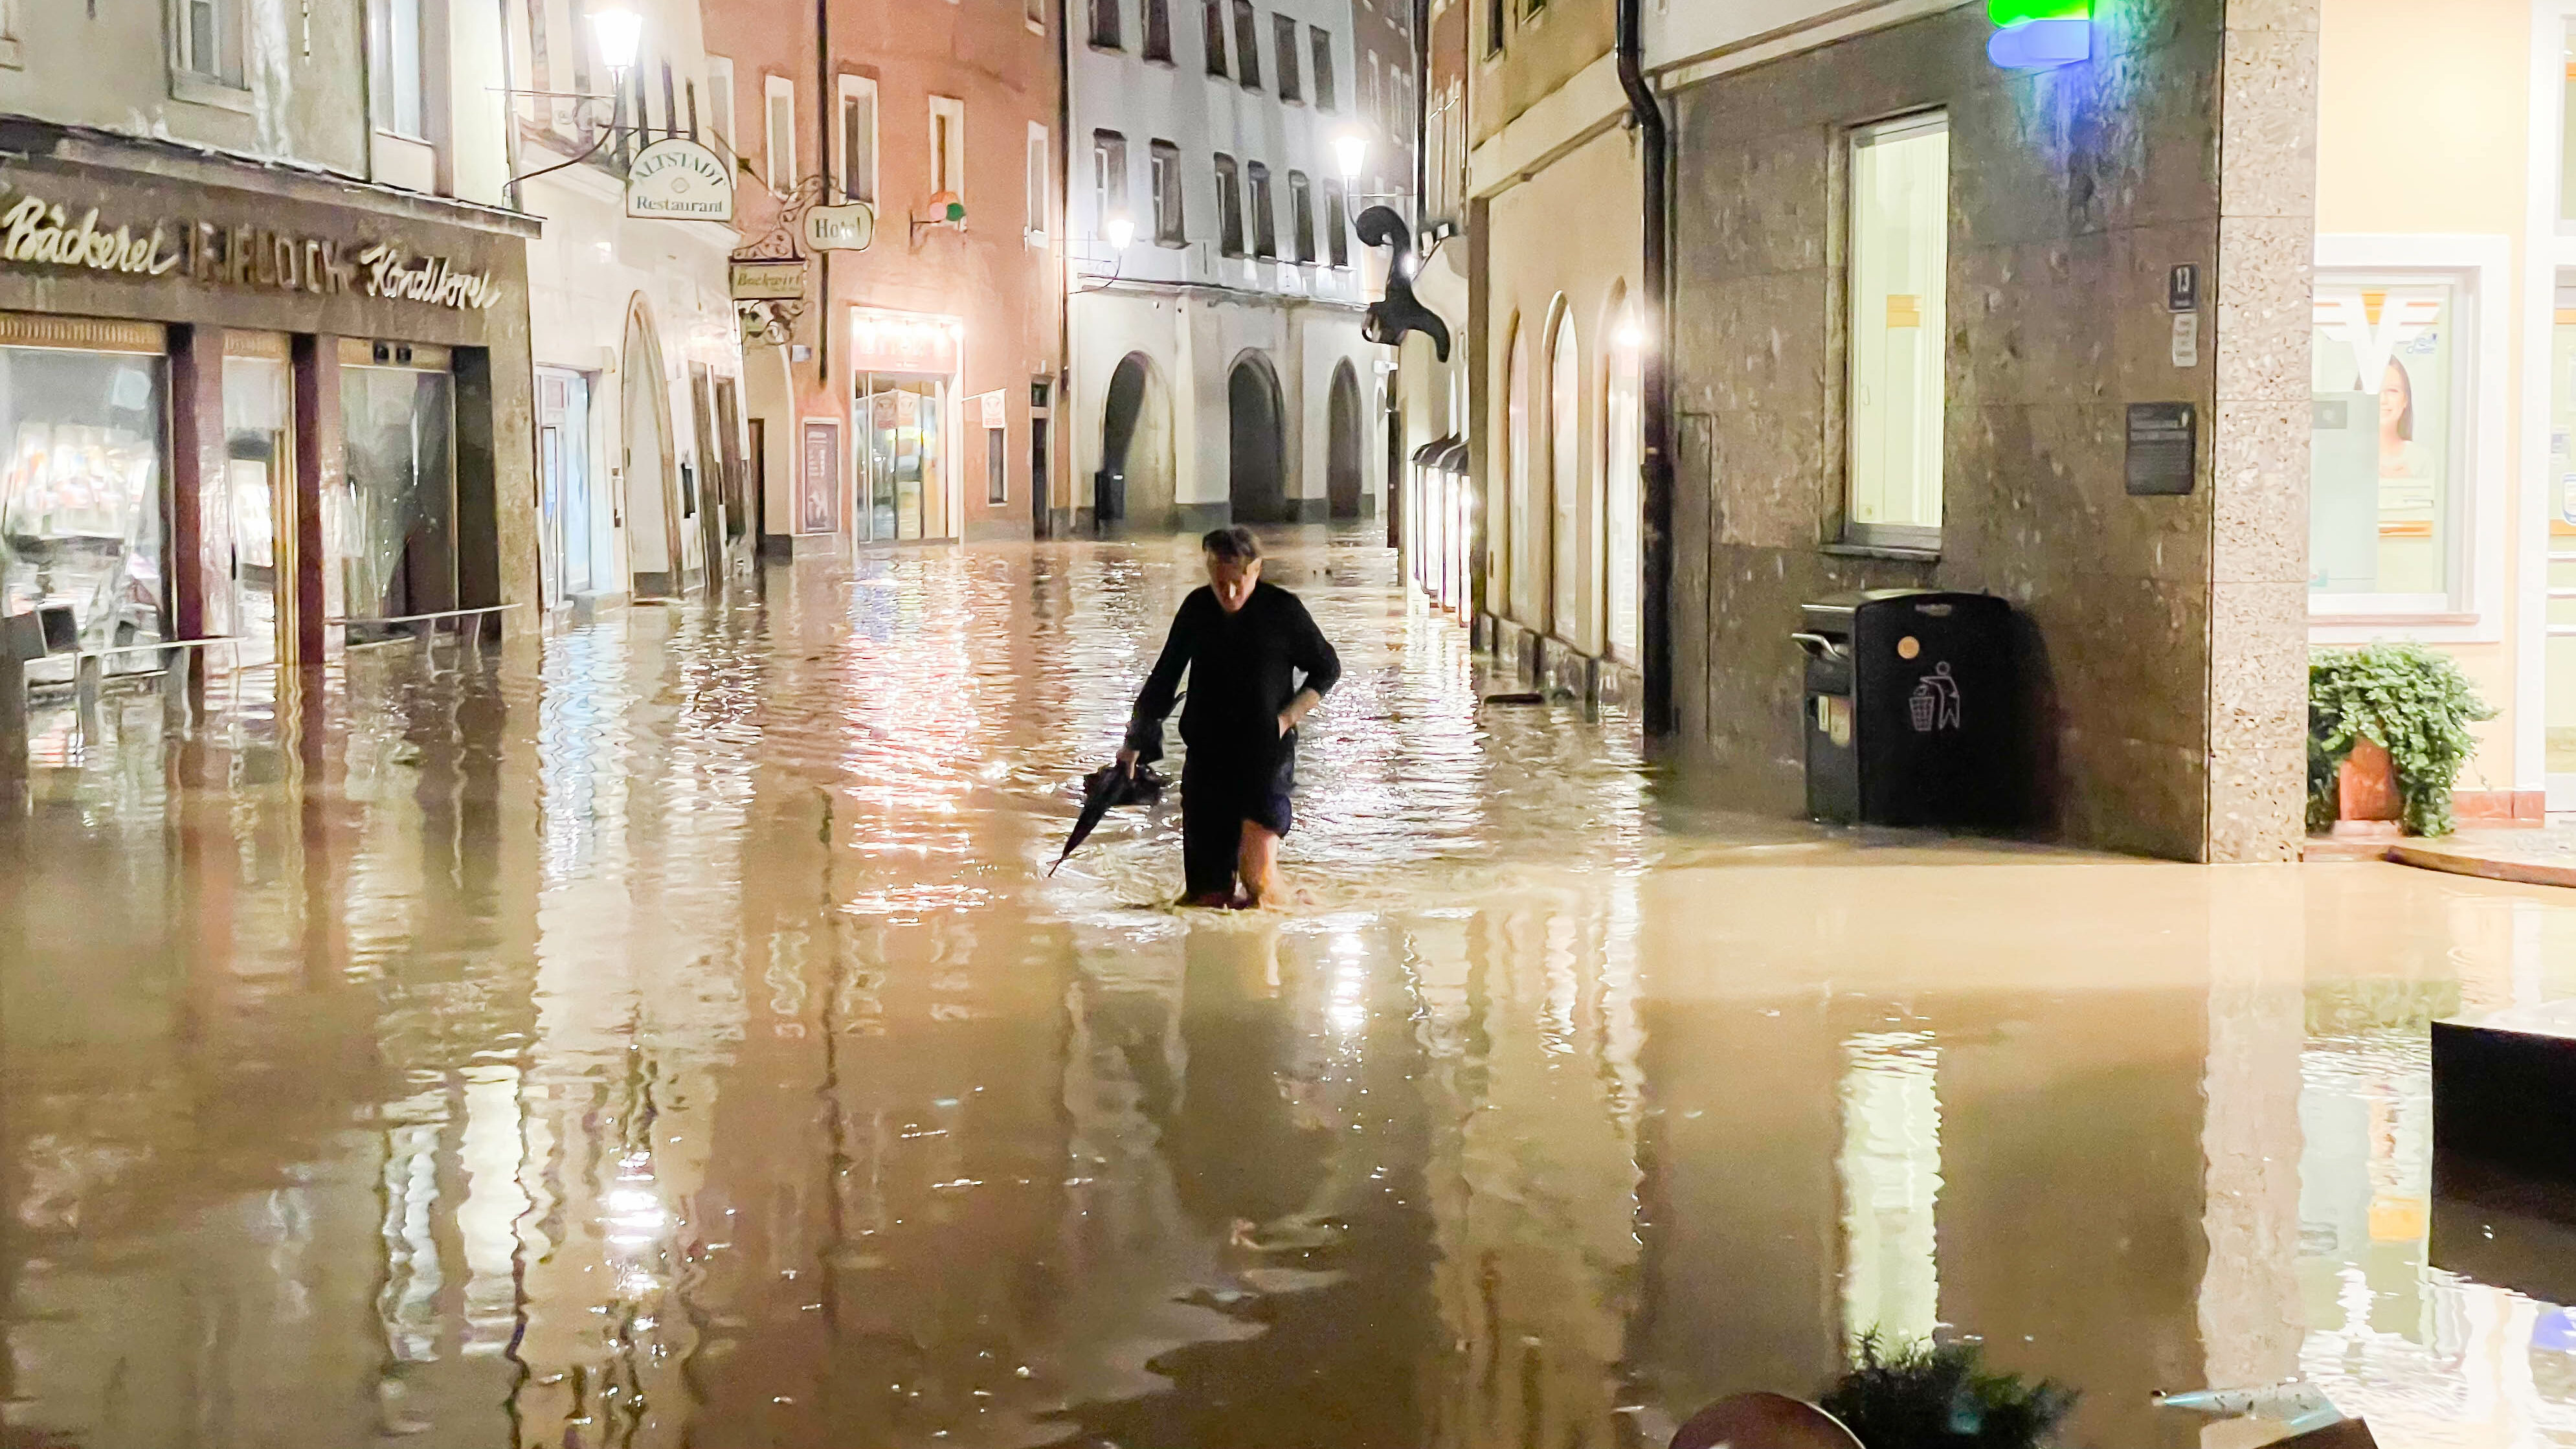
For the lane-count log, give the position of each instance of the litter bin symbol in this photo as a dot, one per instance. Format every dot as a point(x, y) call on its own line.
point(1935, 701)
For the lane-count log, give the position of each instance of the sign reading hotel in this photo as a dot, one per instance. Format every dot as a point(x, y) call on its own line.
point(849, 227)
point(679, 180)
point(38, 232)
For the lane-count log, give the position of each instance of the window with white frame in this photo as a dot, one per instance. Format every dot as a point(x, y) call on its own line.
point(1104, 24)
point(1301, 216)
point(855, 140)
point(1337, 226)
point(1108, 180)
point(1158, 30)
point(1229, 206)
point(1212, 33)
point(1900, 217)
point(2388, 444)
point(1171, 228)
point(1247, 46)
point(1323, 44)
point(208, 45)
point(400, 62)
point(720, 105)
point(948, 146)
point(1040, 168)
point(778, 129)
point(1265, 224)
point(1283, 43)
point(10, 55)
point(1035, 14)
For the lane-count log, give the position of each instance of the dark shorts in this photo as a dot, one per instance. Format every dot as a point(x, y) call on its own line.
point(1219, 791)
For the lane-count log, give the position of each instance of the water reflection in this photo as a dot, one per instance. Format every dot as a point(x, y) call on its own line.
point(663, 1032)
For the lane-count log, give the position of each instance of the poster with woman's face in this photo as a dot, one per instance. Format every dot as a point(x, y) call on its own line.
point(2383, 426)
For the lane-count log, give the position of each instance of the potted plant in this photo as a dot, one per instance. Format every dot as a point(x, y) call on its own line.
point(1923, 1395)
point(2401, 699)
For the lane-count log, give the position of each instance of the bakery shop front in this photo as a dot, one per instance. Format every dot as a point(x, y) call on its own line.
point(254, 403)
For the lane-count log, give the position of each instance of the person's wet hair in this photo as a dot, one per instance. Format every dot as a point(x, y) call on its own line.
point(1232, 544)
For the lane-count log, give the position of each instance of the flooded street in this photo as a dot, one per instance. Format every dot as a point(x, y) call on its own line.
point(665, 1032)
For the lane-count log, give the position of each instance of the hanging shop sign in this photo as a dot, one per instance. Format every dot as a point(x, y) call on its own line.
point(38, 231)
point(679, 180)
point(769, 281)
point(848, 227)
point(989, 407)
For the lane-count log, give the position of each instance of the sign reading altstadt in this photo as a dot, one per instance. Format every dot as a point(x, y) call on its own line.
point(676, 179)
point(38, 231)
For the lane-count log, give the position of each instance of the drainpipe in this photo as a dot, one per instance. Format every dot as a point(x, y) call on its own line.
point(1655, 389)
point(827, 105)
point(1060, 397)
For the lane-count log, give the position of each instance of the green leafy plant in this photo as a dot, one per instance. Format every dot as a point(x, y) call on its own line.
point(2414, 702)
point(1917, 1394)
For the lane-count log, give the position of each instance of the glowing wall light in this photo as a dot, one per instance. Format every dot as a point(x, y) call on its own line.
point(2037, 34)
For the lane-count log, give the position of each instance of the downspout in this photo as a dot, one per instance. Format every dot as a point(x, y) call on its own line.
point(1655, 542)
point(827, 104)
point(1061, 439)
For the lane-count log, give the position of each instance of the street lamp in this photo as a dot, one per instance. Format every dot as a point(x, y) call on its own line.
point(1351, 149)
point(617, 31)
point(1122, 232)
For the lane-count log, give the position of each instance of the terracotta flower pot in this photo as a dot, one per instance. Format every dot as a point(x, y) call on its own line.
point(2366, 792)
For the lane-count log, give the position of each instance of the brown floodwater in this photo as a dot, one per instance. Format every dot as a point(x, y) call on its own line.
point(664, 1032)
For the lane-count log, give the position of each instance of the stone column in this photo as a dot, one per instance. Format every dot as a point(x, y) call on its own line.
point(318, 465)
point(200, 582)
point(2267, 160)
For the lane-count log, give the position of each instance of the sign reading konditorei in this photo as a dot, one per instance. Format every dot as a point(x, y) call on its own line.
point(675, 179)
point(35, 231)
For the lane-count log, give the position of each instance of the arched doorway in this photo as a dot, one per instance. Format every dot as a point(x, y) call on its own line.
point(1256, 453)
point(1135, 448)
point(653, 549)
point(1566, 574)
point(1342, 452)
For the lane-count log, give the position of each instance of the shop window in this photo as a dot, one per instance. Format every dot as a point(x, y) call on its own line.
point(2387, 433)
point(1283, 41)
point(1247, 46)
point(1323, 40)
point(1301, 216)
point(948, 146)
point(1229, 207)
point(1104, 24)
point(391, 525)
point(1158, 30)
point(1171, 227)
point(209, 42)
point(1212, 26)
point(1265, 228)
point(81, 498)
point(1108, 180)
point(720, 105)
point(779, 130)
point(1337, 225)
point(1900, 208)
point(401, 79)
point(858, 139)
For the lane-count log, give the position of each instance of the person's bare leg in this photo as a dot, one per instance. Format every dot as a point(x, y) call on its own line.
point(1258, 866)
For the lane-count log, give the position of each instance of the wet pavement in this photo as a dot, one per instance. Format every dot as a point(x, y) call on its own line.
point(665, 1033)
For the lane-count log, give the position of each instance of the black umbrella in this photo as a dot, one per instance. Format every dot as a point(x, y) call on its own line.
point(1106, 787)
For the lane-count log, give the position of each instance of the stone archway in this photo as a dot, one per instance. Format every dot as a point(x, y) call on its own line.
point(1342, 448)
point(1135, 447)
point(1257, 445)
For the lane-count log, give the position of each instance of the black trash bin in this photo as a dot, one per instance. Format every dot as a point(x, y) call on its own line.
point(1911, 708)
point(1108, 497)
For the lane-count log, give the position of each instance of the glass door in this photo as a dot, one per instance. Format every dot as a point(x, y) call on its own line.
point(81, 494)
point(2561, 482)
point(903, 458)
point(392, 533)
point(563, 463)
point(258, 496)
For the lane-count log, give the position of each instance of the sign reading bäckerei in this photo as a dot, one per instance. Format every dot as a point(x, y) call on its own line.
point(38, 231)
point(679, 180)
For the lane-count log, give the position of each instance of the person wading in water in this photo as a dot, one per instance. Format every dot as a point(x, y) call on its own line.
point(1244, 643)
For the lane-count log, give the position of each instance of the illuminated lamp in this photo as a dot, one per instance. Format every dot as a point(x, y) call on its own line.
point(2038, 34)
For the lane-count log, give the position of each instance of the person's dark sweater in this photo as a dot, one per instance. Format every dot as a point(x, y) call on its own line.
point(1243, 671)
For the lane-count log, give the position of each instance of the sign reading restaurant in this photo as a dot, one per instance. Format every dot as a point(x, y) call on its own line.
point(35, 231)
point(679, 180)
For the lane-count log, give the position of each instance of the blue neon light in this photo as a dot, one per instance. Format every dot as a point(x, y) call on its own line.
point(2039, 44)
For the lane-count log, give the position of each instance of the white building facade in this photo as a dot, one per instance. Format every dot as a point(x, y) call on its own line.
point(1215, 365)
point(641, 455)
